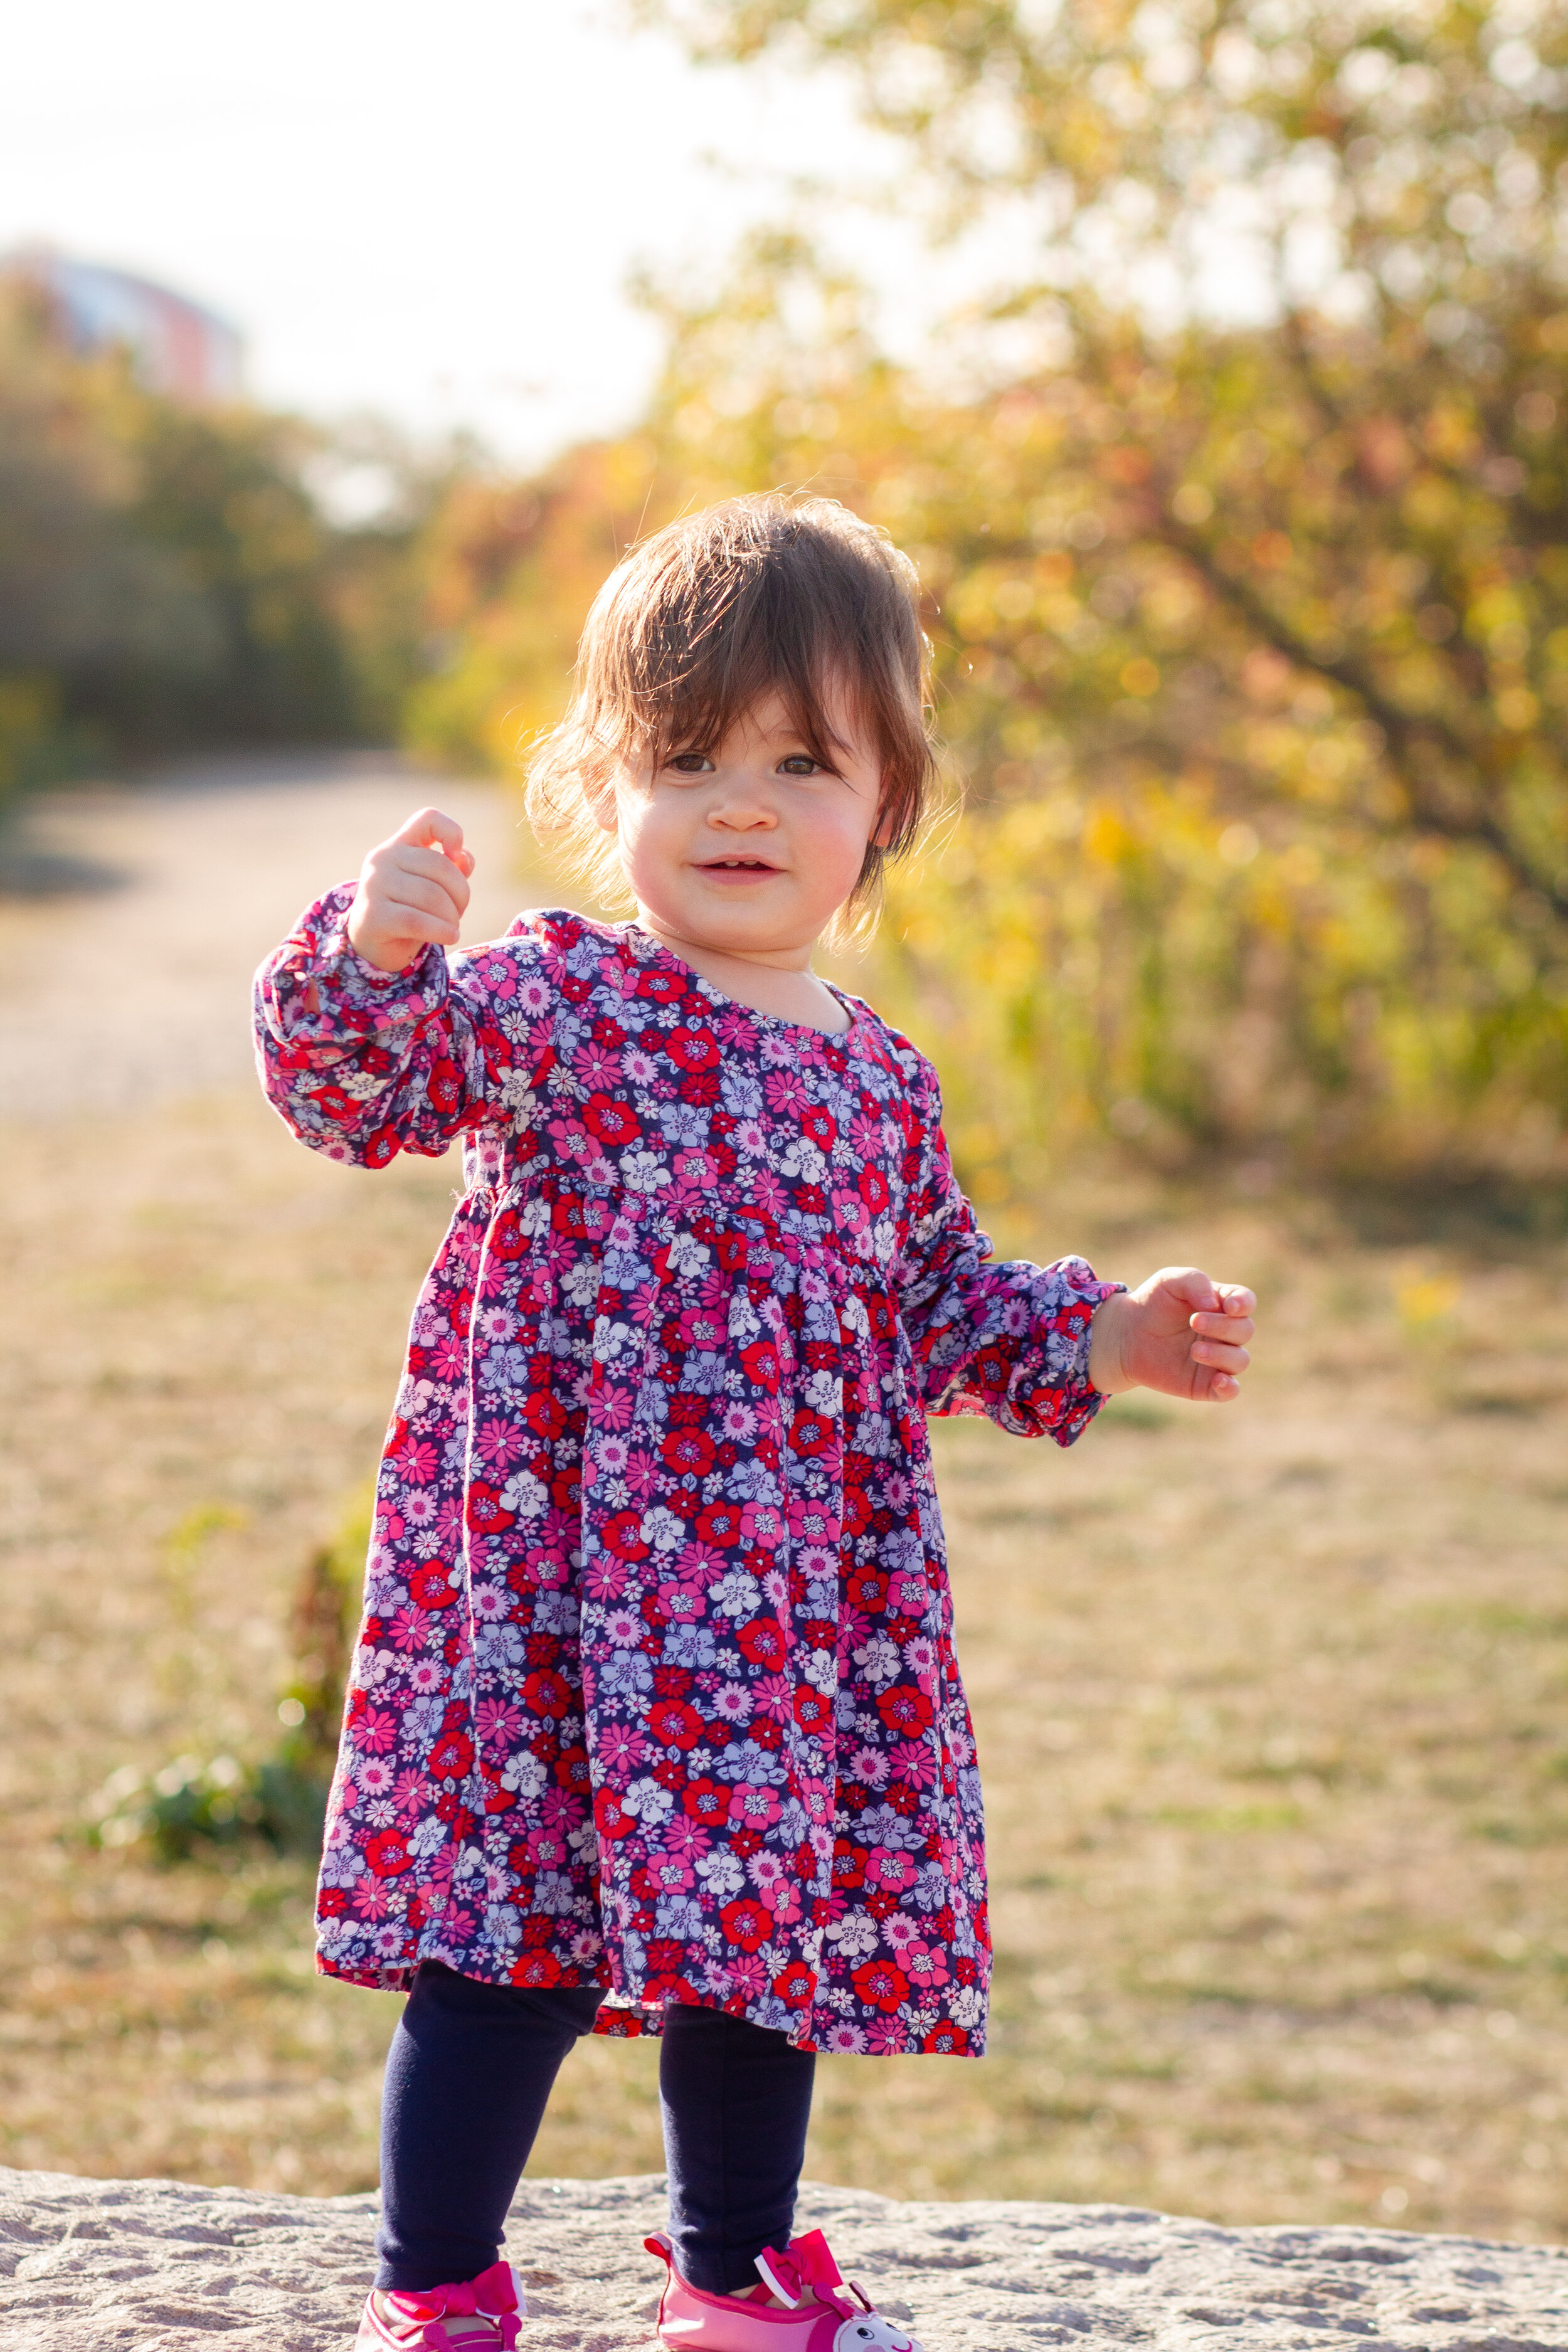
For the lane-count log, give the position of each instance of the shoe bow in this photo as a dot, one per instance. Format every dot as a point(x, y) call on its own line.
point(807, 2265)
point(492, 2295)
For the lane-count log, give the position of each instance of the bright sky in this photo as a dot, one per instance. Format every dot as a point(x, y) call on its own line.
point(429, 211)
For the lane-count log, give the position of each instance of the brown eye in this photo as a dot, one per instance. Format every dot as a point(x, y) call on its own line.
point(799, 764)
point(688, 763)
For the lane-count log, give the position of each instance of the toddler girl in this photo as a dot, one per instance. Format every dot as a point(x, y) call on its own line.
point(655, 1724)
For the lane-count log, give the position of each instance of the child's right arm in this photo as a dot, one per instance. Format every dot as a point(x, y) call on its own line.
point(369, 1042)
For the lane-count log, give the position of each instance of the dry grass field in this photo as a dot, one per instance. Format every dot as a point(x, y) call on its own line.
point(1272, 1702)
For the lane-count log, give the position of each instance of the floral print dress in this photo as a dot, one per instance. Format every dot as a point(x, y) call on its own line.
point(656, 1687)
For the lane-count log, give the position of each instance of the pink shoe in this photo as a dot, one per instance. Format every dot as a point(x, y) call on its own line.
point(815, 2310)
point(487, 2308)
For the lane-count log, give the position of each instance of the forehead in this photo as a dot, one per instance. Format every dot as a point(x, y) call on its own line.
point(770, 720)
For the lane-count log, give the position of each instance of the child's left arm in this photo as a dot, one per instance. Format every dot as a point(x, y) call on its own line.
point(1039, 1349)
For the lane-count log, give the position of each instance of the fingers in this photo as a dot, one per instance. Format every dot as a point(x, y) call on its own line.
point(431, 828)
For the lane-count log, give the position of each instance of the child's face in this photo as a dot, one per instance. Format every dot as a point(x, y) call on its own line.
point(751, 848)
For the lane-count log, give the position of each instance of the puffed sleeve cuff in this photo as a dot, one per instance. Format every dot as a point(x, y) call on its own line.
point(317, 989)
point(1078, 1399)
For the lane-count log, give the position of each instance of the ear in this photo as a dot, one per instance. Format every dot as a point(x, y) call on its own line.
point(599, 791)
point(884, 829)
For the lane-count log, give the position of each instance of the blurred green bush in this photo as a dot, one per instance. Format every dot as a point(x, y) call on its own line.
point(199, 1807)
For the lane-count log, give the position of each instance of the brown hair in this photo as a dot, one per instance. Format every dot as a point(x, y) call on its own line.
point(701, 621)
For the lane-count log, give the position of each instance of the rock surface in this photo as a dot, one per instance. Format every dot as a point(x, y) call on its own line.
point(159, 2266)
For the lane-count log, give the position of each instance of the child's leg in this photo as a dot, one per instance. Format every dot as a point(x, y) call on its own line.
point(468, 2076)
point(736, 2099)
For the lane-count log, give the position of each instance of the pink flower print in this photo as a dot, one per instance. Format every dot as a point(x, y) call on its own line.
point(598, 1068)
point(732, 1704)
point(409, 1628)
point(534, 996)
point(686, 1840)
point(645, 1476)
point(374, 1776)
point(920, 1656)
point(638, 1066)
point(428, 1674)
point(491, 1602)
point(622, 1747)
point(845, 2040)
point(389, 1526)
point(889, 1870)
point(749, 1139)
point(738, 1422)
point(370, 1898)
point(748, 1976)
point(496, 1324)
point(925, 1968)
point(500, 1443)
point(867, 1138)
point(784, 1902)
point(886, 2038)
point(584, 1946)
point(547, 1850)
point(614, 1455)
point(766, 1191)
point(701, 1565)
point(785, 1091)
point(499, 1725)
point(815, 1559)
point(763, 1524)
point(605, 1578)
point(756, 1809)
point(624, 1627)
point(900, 1931)
point(420, 1509)
point(685, 1605)
point(411, 1793)
point(561, 1809)
point(418, 1461)
point(670, 1874)
point(775, 1584)
point(449, 1523)
point(701, 1329)
point(850, 1212)
point(812, 1522)
point(914, 1763)
point(376, 1732)
point(774, 1696)
point(765, 1870)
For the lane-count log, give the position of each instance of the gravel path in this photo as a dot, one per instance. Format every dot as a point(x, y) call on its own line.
point(132, 919)
point(156, 2266)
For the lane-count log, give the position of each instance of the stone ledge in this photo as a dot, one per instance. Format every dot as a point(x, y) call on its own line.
point(160, 2267)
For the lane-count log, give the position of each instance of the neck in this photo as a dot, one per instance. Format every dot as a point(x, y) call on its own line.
point(711, 960)
point(778, 981)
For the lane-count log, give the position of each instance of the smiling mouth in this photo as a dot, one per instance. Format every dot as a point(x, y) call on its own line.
point(738, 866)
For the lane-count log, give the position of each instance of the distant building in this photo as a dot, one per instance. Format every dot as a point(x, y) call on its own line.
point(179, 349)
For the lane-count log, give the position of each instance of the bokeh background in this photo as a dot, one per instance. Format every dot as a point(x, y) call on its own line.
point(1213, 365)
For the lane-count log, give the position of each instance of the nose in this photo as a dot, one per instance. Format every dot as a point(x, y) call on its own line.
point(743, 807)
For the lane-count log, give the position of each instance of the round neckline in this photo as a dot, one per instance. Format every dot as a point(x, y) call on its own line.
point(752, 1012)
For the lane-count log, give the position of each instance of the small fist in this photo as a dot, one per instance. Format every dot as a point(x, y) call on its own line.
point(1178, 1332)
point(412, 889)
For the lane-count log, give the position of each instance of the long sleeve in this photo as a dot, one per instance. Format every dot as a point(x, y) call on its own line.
point(362, 1064)
point(1008, 1339)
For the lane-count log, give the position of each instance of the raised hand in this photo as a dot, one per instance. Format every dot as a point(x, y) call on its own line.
point(1178, 1332)
point(412, 889)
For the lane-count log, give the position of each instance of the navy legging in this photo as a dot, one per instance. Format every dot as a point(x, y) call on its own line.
point(467, 2076)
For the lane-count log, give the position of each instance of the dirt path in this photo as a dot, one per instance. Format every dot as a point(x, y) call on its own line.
point(131, 919)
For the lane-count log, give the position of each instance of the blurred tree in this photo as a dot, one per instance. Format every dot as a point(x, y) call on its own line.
point(1291, 598)
point(167, 575)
